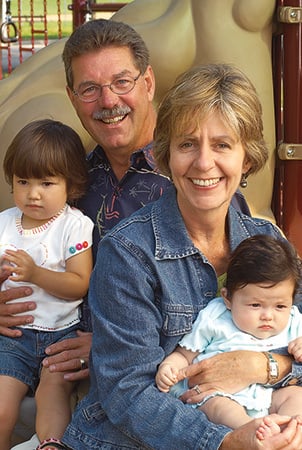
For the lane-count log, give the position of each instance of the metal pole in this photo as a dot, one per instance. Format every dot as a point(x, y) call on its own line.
point(289, 15)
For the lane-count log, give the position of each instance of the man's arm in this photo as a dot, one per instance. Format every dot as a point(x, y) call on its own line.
point(66, 356)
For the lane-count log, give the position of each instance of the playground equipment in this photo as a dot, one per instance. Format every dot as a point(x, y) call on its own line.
point(262, 37)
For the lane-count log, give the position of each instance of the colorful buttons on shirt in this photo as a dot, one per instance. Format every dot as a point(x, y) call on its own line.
point(78, 247)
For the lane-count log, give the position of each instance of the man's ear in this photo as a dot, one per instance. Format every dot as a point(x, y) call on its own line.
point(149, 79)
point(224, 295)
point(70, 94)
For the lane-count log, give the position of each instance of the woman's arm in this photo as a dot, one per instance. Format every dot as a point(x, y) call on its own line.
point(231, 372)
point(290, 438)
point(126, 301)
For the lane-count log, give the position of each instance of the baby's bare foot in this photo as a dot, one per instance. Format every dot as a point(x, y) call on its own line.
point(267, 428)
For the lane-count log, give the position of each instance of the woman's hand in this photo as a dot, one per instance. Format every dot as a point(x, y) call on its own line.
point(229, 372)
point(70, 356)
point(289, 437)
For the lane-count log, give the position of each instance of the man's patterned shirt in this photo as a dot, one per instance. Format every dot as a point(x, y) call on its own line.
point(109, 200)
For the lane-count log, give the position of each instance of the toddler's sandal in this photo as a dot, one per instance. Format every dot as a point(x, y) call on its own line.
point(53, 443)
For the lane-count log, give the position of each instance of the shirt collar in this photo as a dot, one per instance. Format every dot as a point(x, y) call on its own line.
point(145, 152)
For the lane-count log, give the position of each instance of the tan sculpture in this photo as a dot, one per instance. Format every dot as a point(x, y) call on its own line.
point(179, 34)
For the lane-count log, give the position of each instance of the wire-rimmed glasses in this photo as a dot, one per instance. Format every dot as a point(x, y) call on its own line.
point(88, 92)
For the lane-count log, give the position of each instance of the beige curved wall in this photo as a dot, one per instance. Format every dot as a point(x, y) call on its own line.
point(35, 90)
point(183, 33)
point(179, 34)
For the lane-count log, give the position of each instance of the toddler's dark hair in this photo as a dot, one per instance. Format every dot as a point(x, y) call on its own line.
point(45, 148)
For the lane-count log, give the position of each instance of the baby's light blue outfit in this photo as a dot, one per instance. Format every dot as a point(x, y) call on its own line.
point(215, 332)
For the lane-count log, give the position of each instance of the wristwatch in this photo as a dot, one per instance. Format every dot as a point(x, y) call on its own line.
point(272, 368)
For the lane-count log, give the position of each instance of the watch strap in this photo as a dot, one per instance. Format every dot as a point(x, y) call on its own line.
point(272, 368)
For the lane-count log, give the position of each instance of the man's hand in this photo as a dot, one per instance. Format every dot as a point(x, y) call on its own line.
point(69, 356)
point(8, 311)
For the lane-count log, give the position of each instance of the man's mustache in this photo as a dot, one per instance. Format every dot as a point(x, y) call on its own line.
point(109, 113)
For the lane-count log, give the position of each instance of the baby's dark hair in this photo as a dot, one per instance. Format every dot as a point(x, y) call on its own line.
point(262, 259)
point(46, 148)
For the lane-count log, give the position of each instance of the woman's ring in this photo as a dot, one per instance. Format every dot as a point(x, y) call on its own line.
point(83, 364)
point(196, 389)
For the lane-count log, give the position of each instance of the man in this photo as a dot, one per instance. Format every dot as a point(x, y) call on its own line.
point(111, 86)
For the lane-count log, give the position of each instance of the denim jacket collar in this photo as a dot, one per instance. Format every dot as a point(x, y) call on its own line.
point(168, 245)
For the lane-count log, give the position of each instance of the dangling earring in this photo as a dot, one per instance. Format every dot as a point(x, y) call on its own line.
point(243, 182)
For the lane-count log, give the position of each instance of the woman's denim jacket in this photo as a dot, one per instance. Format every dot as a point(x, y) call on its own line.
point(147, 288)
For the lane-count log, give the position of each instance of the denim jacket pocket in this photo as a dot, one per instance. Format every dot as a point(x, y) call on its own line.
point(94, 413)
point(177, 319)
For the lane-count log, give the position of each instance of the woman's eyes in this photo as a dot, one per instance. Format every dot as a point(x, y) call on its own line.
point(216, 146)
point(186, 145)
point(223, 145)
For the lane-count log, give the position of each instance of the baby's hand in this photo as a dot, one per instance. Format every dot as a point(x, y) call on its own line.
point(295, 349)
point(166, 377)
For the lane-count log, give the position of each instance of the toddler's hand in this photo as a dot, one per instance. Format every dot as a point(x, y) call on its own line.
point(20, 265)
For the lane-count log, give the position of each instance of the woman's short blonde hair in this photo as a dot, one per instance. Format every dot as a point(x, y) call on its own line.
point(207, 89)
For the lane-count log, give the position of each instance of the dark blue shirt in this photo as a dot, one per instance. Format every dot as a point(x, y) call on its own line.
point(109, 200)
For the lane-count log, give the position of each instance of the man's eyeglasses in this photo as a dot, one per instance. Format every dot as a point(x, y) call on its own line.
point(91, 92)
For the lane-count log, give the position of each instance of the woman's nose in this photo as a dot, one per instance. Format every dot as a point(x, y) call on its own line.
point(204, 158)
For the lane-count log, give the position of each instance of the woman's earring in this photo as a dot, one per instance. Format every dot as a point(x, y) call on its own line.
point(243, 182)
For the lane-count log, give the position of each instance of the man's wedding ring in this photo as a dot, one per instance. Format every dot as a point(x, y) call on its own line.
point(83, 364)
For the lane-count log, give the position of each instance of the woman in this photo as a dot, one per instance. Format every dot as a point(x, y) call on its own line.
point(158, 268)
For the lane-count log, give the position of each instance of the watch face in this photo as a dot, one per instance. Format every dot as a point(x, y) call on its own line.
point(273, 369)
